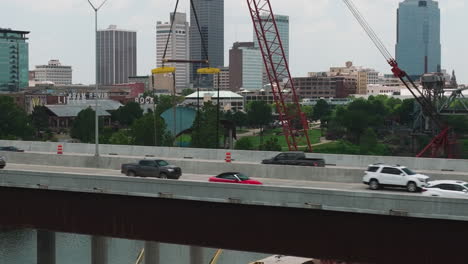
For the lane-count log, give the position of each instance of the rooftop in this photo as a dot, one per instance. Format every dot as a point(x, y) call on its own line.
point(214, 94)
point(9, 30)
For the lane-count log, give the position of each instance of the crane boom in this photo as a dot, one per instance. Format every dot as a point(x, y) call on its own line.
point(277, 70)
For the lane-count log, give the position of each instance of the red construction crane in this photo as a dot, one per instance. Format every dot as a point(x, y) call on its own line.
point(444, 141)
point(277, 70)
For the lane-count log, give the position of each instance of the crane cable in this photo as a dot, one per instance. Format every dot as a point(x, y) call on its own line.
point(170, 32)
point(368, 29)
point(205, 51)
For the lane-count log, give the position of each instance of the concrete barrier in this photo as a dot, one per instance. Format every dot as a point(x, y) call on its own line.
point(240, 155)
point(328, 174)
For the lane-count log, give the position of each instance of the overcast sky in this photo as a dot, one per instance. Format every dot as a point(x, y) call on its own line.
point(323, 32)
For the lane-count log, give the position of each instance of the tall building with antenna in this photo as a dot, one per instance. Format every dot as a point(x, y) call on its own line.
point(418, 48)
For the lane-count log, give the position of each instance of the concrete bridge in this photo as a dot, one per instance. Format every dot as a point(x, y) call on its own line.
point(353, 225)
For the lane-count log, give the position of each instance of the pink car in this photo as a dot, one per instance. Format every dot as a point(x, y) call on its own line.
point(233, 177)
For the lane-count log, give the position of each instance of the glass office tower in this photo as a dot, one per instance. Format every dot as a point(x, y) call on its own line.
point(14, 60)
point(211, 17)
point(418, 48)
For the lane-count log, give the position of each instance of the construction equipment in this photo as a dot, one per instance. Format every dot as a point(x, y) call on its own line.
point(277, 70)
point(444, 141)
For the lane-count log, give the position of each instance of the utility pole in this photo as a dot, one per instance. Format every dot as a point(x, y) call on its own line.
point(96, 77)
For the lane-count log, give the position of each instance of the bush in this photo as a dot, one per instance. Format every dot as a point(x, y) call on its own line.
point(244, 144)
point(271, 145)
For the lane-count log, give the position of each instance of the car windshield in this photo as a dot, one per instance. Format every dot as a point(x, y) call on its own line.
point(465, 185)
point(162, 163)
point(242, 177)
point(408, 171)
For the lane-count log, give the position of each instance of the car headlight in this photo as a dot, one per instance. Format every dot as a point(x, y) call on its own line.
point(422, 179)
point(170, 170)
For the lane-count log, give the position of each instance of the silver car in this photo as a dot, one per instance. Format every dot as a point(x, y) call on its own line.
point(2, 162)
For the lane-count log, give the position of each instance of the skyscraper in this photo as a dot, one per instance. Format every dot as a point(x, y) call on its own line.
point(178, 47)
point(211, 18)
point(14, 60)
point(418, 48)
point(245, 67)
point(282, 22)
point(116, 53)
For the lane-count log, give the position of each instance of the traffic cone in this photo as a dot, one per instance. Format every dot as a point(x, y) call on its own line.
point(59, 149)
point(228, 157)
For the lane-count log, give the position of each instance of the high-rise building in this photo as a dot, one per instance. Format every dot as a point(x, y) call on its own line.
point(117, 55)
point(14, 60)
point(177, 48)
point(245, 67)
point(211, 18)
point(54, 72)
point(222, 79)
point(282, 22)
point(418, 48)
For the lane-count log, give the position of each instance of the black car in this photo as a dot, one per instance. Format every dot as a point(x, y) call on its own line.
point(11, 148)
point(2, 162)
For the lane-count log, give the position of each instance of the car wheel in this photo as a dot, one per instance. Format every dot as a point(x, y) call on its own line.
point(163, 175)
point(374, 184)
point(411, 187)
point(131, 173)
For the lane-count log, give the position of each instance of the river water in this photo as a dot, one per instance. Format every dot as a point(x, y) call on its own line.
point(20, 247)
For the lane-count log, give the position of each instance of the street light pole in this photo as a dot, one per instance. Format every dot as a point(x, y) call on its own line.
point(96, 77)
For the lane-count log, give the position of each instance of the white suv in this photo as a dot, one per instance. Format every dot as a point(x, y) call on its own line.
point(381, 175)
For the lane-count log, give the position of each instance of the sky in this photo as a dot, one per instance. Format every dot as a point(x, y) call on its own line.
point(323, 33)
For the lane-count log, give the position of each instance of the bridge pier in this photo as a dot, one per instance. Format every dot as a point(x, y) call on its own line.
point(45, 247)
point(98, 250)
point(196, 255)
point(152, 252)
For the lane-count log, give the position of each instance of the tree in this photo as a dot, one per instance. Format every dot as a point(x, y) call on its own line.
point(259, 114)
point(127, 114)
point(84, 126)
point(244, 144)
point(165, 102)
point(121, 137)
point(187, 91)
point(308, 111)
point(14, 122)
point(240, 118)
point(271, 144)
point(40, 118)
point(150, 130)
point(205, 126)
point(368, 141)
point(321, 111)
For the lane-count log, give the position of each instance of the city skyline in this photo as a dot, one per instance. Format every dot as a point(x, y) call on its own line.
point(313, 47)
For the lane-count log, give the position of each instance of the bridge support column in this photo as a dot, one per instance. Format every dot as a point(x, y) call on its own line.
point(196, 255)
point(151, 252)
point(45, 247)
point(98, 250)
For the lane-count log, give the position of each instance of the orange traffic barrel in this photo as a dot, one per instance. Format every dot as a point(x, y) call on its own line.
point(59, 149)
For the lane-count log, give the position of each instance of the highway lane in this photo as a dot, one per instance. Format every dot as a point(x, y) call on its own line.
point(204, 178)
point(427, 172)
